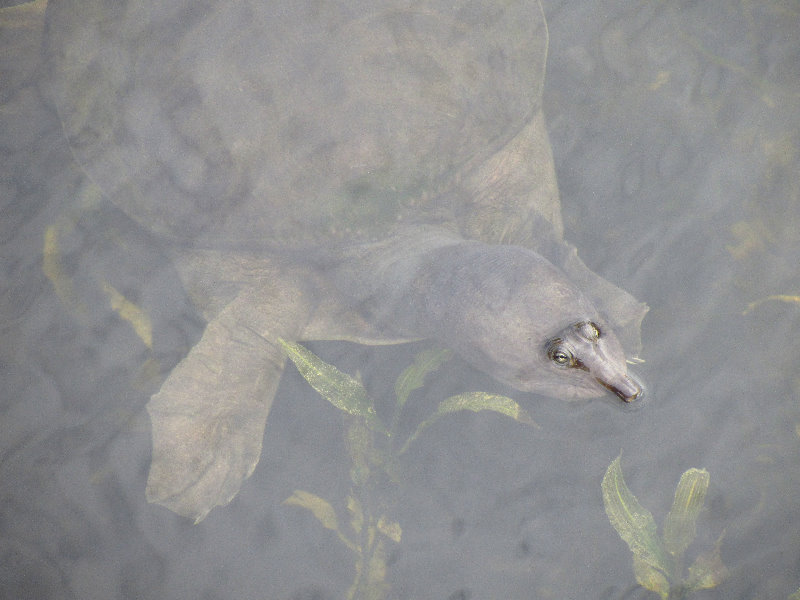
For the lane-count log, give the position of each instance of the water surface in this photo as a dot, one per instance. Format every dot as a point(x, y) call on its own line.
point(676, 133)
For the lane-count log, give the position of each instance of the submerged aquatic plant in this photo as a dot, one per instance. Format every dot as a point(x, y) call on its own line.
point(374, 454)
point(775, 298)
point(658, 560)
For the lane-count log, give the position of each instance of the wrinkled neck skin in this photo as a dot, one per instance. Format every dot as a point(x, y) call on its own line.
point(505, 309)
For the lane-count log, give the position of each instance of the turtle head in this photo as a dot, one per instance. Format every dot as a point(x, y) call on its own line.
point(516, 316)
point(582, 355)
point(583, 359)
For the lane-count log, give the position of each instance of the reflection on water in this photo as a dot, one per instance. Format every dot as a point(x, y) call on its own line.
point(675, 133)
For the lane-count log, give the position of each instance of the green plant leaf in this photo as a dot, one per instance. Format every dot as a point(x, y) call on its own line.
point(370, 582)
point(680, 525)
point(707, 571)
point(650, 578)
point(390, 529)
point(634, 524)
point(340, 389)
point(413, 377)
point(778, 297)
point(356, 514)
point(320, 508)
point(363, 452)
point(377, 588)
point(795, 596)
point(476, 402)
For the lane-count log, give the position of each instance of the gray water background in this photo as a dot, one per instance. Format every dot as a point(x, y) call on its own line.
point(675, 132)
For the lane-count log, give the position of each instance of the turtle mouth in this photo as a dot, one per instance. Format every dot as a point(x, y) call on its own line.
point(626, 388)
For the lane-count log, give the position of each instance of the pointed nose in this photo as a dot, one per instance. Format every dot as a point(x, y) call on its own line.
point(623, 386)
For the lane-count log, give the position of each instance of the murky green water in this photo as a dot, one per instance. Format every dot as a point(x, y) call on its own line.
point(675, 133)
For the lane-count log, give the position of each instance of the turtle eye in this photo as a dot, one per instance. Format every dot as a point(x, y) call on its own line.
point(589, 330)
point(560, 355)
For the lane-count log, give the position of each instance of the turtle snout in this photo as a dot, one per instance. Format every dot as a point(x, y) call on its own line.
point(625, 387)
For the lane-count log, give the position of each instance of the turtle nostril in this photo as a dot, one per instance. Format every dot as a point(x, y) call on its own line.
point(626, 389)
point(635, 396)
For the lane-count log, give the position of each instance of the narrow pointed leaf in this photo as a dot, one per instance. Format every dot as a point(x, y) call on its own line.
point(390, 529)
point(55, 271)
point(680, 525)
point(364, 452)
point(476, 402)
point(340, 389)
point(650, 578)
point(413, 377)
point(634, 524)
point(356, 514)
point(377, 589)
point(370, 582)
point(320, 508)
point(708, 570)
point(778, 297)
point(132, 313)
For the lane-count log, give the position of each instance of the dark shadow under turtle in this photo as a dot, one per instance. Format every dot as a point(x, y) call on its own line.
point(401, 149)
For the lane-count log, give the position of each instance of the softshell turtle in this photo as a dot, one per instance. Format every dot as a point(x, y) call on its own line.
point(374, 171)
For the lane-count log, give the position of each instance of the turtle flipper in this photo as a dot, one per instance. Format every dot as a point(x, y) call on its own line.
point(209, 416)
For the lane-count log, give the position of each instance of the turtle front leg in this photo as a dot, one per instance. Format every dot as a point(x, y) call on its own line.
point(209, 416)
